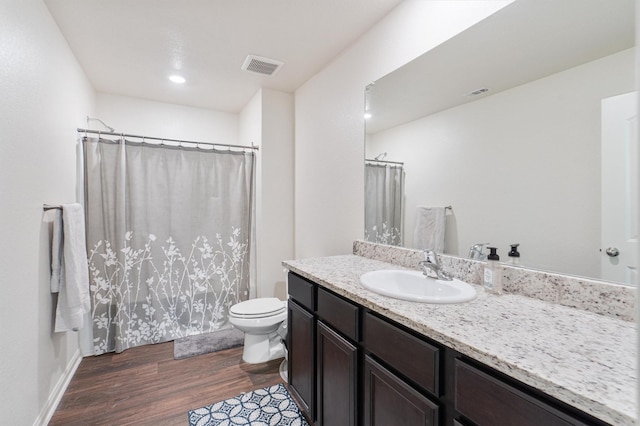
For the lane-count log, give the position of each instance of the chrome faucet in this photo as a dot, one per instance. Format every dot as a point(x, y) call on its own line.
point(475, 252)
point(431, 267)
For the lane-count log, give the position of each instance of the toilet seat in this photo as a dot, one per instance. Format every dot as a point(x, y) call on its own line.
point(258, 308)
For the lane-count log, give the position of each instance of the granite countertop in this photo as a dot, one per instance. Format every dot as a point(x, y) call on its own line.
point(584, 359)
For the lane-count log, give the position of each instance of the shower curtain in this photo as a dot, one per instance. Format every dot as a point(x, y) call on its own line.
point(169, 239)
point(383, 203)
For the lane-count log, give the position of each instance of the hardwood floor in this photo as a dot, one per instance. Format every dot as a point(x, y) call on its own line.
point(146, 386)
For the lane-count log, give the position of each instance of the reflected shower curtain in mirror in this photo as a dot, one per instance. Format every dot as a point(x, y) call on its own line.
point(169, 239)
point(383, 203)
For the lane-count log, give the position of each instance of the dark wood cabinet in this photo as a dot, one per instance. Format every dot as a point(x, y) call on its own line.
point(337, 361)
point(418, 360)
point(302, 291)
point(323, 353)
point(389, 400)
point(301, 362)
point(486, 400)
point(342, 315)
point(350, 366)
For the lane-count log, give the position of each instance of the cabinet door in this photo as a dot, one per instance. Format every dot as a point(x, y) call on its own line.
point(301, 361)
point(337, 379)
point(390, 401)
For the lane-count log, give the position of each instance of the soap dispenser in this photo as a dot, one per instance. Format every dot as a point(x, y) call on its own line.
point(492, 279)
point(514, 255)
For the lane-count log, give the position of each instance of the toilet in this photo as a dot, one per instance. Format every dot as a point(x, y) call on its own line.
point(263, 321)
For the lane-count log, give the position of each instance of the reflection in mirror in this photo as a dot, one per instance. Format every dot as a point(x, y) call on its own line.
point(383, 201)
point(515, 123)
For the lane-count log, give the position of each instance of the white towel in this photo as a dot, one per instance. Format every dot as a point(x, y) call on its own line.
point(73, 294)
point(428, 231)
point(57, 259)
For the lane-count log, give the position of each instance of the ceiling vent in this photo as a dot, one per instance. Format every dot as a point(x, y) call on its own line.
point(260, 65)
point(478, 92)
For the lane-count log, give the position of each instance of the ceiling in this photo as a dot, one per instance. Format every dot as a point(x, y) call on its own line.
point(524, 41)
point(131, 47)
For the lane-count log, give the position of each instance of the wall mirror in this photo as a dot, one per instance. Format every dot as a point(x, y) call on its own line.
point(525, 125)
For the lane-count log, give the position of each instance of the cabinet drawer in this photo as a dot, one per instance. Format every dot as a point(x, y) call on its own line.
point(390, 401)
point(302, 291)
point(340, 314)
point(486, 400)
point(414, 358)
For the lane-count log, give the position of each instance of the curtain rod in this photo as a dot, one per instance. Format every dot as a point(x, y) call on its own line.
point(125, 135)
point(385, 161)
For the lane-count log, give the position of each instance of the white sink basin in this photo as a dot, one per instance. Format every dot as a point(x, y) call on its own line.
point(414, 286)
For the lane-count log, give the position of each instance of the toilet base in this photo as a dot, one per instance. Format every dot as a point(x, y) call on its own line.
point(262, 348)
point(283, 370)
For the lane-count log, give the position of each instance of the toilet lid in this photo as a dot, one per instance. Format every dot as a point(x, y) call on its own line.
point(260, 307)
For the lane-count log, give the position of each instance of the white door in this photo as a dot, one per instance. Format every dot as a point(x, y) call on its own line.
point(619, 242)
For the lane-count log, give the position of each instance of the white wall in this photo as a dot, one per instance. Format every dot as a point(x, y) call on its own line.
point(268, 120)
point(329, 149)
point(45, 96)
point(250, 131)
point(149, 118)
point(276, 234)
point(495, 159)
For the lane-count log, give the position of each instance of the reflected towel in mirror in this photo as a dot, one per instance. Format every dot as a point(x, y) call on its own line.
point(428, 230)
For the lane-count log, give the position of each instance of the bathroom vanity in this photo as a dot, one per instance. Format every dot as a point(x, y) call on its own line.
point(359, 358)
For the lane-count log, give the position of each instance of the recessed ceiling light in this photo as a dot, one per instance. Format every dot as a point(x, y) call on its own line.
point(177, 79)
point(367, 115)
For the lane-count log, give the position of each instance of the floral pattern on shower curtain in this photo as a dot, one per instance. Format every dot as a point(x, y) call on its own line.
point(169, 239)
point(383, 203)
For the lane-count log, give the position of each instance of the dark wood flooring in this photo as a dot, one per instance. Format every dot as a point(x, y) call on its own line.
point(146, 386)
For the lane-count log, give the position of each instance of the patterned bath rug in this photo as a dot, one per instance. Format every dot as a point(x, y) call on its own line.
point(271, 406)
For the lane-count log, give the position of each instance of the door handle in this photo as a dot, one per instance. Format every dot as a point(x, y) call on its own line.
point(612, 252)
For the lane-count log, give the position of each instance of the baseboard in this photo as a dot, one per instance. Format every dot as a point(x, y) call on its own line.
point(56, 394)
